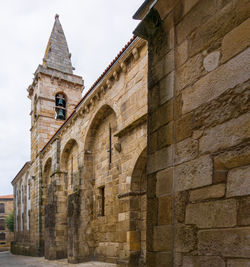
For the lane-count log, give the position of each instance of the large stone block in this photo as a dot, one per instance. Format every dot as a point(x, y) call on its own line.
point(226, 135)
point(231, 242)
point(238, 182)
point(193, 174)
point(203, 261)
point(209, 34)
point(185, 150)
point(198, 15)
point(234, 158)
point(163, 66)
point(234, 72)
point(164, 184)
point(165, 210)
point(244, 211)
point(182, 53)
point(166, 87)
point(184, 127)
point(160, 160)
point(161, 116)
point(236, 40)
point(163, 236)
point(238, 263)
point(213, 191)
point(220, 213)
point(165, 135)
point(189, 72)
point(133, 240)
point(185, 238)
point(181, 200)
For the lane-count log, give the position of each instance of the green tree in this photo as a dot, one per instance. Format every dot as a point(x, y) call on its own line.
point(9, 221)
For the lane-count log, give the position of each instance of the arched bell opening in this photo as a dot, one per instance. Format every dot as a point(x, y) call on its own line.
point(60, 106)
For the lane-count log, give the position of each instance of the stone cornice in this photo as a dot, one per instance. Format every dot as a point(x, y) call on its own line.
point(54, 74)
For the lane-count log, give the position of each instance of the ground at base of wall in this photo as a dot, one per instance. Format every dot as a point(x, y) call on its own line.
point(4, 249)
point(8, 259)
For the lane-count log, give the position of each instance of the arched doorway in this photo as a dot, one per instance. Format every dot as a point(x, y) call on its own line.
point(138, 211)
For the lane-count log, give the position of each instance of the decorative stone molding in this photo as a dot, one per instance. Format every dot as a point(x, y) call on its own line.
point(131, 194)
point(123, 67)
point(135, 53)
point(108, 82)
point(115, 75)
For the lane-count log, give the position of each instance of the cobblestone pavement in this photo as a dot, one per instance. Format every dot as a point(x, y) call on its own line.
point(9, 260)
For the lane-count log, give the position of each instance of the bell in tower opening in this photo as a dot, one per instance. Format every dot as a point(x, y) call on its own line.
point(60, 107)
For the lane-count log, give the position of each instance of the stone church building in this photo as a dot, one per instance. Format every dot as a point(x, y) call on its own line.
point(151, 167)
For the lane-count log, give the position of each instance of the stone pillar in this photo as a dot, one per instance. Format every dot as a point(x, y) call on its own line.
point(56, 229)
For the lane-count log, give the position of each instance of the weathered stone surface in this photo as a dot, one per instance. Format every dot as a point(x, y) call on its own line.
point(163, 259)
point(165, 210)
point(231, 104)
point(238, 263)
point(160, 160)
point(238, 182)
point(220, 213)
point(226, 135)
point(184, 127)
point(163, 67)
point(198, 15)
point(236, 40)
point(237, 71)
point(164, 184)
point(213, 191)
point(181, 200)
point(188, 5)
point(211, 61)
point(203, 261)
point(133, 239)
point(167, 87)
point(185, 150)
point(193, 174)
point(234, 158)
point(189, 72)
point(182, 53)
point(232, 242)
point(161, 116)
point(185, 238)
point(244, 211)
point(165, 135)
point(162, 238)
point(210, 33)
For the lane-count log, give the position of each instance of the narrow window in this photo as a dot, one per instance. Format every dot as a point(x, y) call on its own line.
point(71, 174)
point(29, 189)
point(102, 200)
point(60, 103)
point(110, 146)
point(2, 224)
point(2, 209)
point(2, 236)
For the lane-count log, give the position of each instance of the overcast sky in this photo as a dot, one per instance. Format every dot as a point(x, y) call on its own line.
point(95, 31)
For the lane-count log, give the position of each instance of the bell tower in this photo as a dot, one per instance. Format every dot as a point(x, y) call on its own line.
point(54, 92)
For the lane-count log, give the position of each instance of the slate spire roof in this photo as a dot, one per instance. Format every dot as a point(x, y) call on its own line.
point(57, 54)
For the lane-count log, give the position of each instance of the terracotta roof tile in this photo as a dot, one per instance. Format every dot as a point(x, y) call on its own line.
point(6, 197)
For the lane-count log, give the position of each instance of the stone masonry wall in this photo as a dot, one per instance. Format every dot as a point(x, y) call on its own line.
point(198, 133)
point(76, 165)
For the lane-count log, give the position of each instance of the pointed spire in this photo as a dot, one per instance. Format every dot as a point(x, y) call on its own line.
point(57, 54)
